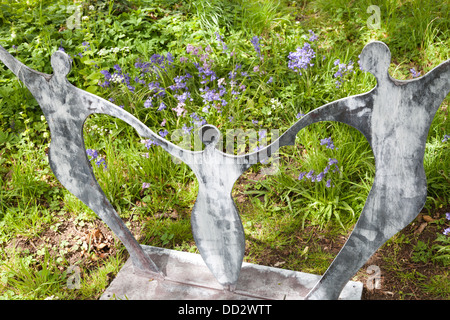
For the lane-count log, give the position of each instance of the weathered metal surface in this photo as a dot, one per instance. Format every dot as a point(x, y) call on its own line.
point(66, 108)
point(394, 117)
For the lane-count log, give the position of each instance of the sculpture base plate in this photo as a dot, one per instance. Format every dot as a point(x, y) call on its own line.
point(188, 278)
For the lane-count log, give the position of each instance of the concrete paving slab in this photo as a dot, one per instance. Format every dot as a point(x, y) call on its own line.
point(188, 278)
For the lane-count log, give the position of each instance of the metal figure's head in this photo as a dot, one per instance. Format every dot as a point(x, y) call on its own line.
point(61, 64)
point(209, 134)
point(376, 58)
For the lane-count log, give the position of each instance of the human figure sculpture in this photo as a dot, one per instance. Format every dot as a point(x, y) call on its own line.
point(66, 108)
point(394, 117)
point(216, 224)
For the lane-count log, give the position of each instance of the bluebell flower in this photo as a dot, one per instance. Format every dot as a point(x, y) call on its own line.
point(332, 161)
point(162, 106)
point(343, 70)
point(220, 39)
point(313, 37)
point(92, 153)
point(328, 142)
point(270, 80)
point(145, 185)
point(301, 58)
point(320, 176)
point(310, 175)
point(197, 120)
point(414, 73)
point(118, 68)
point(149, 143)
point(447, 215)
point(328, 184)
point(183, 97)
point(445, 138)
point(100, 161)
point(302, 175)
point(256, 45)
point(446, 231)
point(163, 133)
point(186, 129)
point(148, 103)
point(106, 74)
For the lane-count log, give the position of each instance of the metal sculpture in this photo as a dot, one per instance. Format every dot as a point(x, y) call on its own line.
point(394, 117)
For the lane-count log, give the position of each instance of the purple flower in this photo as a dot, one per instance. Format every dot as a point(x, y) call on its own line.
point(192, 49)
point(163, 133)
point(446, 231)
point(310, 175)
point(162, 106)
point(149, 143)
point(313, 36)
point(414, 73)
point(256, 45)
point(106, 74)
point(270, 80)
point(447, 215)
point(197, 120)
point(328, 142)
point(220, 39)
point(118, 68)
point(445, 138)
point(186, 129)
point(100, 161)
point(332, 161)
point(148, 103)
point(299, 115)
point(92, 153)
point(302, 175)
point(155, 87)
point(301, 58)
point(179, 110)
point(145, 185)
point(320, 176)
point(328, 184)
point(343, 70)
point(183, 97)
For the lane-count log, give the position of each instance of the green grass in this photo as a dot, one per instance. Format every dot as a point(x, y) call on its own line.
point(278, 211)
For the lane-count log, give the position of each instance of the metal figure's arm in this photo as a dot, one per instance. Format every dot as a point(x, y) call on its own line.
point(98, 105)
point(355, 111)
point(24, 73)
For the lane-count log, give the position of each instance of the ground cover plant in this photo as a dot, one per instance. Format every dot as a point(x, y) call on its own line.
point(251, 68)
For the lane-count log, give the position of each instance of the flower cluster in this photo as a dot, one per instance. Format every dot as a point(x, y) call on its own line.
point(301, 58)
point(93, 154)
point(320, 176)
point(447, 230)
point(313, 37)
point(446, 136)
point(414, 73)
point(256, 45)
point(116, 77)
point(331, 165)
point(328, 142)
point(342, 72)
point(220, 39)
